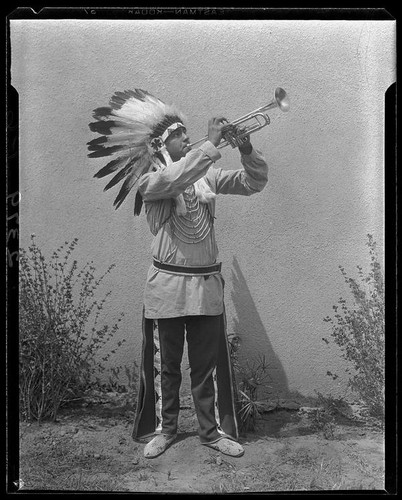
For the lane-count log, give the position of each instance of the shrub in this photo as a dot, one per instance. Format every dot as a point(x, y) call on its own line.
point(323, 421)
point(359, 331)
point(251, 377)
point(122, 380)
point(60, 330)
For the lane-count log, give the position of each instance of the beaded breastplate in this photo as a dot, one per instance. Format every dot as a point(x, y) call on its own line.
point(196, 224)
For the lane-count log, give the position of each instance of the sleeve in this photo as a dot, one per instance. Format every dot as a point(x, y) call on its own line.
point(172, 180)
point(252, 179)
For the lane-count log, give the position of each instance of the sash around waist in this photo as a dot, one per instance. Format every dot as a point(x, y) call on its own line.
point(188, 270)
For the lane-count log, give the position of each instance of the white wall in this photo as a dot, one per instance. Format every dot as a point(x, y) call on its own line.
point(281, 249)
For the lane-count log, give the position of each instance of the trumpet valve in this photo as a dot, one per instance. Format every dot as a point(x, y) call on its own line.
point(233, 135)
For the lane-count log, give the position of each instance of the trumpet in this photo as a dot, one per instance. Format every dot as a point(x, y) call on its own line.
point(234, 132)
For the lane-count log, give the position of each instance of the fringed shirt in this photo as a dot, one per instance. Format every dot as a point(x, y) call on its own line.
point(189, 240)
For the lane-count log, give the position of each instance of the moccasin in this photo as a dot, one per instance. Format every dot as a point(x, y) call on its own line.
point(158, 445)
point(227, 446)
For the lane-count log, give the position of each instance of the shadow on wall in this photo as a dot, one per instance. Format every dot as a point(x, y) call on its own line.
point(253, 335)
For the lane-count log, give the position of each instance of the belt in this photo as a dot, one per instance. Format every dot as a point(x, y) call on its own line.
point(188, 270)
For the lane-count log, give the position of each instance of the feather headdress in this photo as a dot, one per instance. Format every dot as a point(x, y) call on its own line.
point(133, 129)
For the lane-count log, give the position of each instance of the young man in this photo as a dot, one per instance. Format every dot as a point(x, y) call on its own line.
point(183, 295)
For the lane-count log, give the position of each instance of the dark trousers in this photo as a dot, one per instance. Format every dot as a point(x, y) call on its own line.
point(203, 343)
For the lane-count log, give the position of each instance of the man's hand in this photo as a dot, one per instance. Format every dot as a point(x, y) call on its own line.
point(245, 148)
point(215, 126)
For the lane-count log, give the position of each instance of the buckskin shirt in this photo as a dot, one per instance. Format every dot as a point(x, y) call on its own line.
point(189, 240)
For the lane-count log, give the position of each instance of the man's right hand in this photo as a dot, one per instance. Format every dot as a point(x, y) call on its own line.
point(215, 126)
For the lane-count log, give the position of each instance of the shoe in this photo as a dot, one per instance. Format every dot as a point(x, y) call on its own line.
point(158, 445)
point(228, 447)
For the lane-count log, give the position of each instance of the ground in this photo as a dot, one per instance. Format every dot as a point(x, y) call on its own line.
point(89, 448)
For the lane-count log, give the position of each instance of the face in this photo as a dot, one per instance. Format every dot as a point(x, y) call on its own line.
point(178, 144)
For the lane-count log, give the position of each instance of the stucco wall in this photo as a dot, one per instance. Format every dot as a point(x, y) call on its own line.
point(281, 249)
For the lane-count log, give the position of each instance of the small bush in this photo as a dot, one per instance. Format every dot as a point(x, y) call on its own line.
point(122, 380)
point(251, 377)
point(60, 330)
point(323, 421)
point(359, 331)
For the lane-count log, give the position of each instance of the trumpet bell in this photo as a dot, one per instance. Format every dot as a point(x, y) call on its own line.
point(282, 99)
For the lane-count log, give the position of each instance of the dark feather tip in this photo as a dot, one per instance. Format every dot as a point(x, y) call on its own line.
point(105, 151)
point(138, 203)
point(94, 144)
point(119, 176)
point(108, 169)
point(102, 112)
point(102, 127)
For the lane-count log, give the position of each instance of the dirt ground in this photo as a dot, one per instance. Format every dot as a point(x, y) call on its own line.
point(90, 448)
